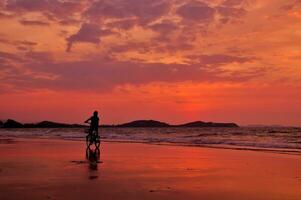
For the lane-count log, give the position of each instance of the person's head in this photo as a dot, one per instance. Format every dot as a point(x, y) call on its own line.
point(95, 113)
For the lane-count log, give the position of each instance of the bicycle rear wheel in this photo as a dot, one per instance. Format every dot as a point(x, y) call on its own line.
point(88, 140)
point(97, 144)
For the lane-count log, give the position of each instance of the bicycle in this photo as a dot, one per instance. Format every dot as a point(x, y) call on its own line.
point(92, 138)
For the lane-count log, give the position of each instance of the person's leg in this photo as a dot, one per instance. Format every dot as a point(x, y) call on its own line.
point(96, 131)
point(90, 130)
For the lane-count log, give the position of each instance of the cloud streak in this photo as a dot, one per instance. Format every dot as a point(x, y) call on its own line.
point(33, 23)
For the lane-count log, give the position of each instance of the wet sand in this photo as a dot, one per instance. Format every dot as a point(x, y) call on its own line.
point(58, 169)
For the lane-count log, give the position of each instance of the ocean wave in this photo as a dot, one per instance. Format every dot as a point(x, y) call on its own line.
point(264, 138)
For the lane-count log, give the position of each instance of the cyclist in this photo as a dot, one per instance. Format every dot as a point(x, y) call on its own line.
point(94, 121)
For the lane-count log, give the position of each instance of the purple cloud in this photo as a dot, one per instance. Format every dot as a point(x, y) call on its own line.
point(144, 10)
point(32, 5)
point(164, 27)
point(9, 56)
point(89, 33)
point(66, 22)
point(54, 9)
point(104, 73)
point(125, 24)
point(196, 11)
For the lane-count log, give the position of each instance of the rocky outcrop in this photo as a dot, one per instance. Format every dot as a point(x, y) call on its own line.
point(138, 123)
point(208, 124)
point(144, 123)
point(10, 123)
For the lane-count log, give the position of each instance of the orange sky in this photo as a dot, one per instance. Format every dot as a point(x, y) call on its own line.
point(170, 60)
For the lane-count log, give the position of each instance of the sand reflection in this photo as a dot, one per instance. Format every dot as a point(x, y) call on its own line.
point(93, 157)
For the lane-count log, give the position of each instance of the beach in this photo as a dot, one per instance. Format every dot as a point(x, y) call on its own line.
point(58, 169)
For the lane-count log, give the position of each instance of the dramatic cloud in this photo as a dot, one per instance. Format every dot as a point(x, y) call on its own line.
point(103, 74)
point(145, 10)
point(53, 10)
point(196, 11)
point(33, 5)
point(125, 24)
point(90, 33)
point(164, 27)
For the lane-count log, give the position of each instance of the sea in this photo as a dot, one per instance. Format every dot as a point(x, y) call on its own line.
point(279, 139)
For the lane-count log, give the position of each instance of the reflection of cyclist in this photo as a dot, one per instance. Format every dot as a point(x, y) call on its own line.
point(94, 120)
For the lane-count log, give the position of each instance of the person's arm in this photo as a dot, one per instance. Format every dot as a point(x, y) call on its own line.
point(88, 120)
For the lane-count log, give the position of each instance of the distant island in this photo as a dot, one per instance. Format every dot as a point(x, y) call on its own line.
point(144, 123)
point(208, 124)
point(153, 123)
point(10, 123)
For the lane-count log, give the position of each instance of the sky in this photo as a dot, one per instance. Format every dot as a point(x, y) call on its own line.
point(170, 60)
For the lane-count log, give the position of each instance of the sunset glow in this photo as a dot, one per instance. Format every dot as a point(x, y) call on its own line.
point(170, 60)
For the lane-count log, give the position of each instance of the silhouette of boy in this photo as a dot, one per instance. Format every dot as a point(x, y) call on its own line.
point(94, 120)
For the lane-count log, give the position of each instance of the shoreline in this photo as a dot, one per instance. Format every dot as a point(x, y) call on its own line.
point(289, 151)
point(282, 140)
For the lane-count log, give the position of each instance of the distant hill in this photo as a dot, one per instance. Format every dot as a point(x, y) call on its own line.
point(49, 124)
point(138, 123)
point(208, 124)
point(153, 123)
point(144, 123)
point(10, 123)
point(44, 124)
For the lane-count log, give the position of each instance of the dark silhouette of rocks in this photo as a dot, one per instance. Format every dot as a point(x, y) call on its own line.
point(10, 123)
point(49, 124)
point(153, 123)
point(44, 124)
point(1, 124)
point(144, 123)
point(138, 123)
point(208, 124)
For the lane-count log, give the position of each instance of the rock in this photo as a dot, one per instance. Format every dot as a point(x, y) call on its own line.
point(12, 124)
point(50, 124)
point(208, 124)
point(144, 123)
